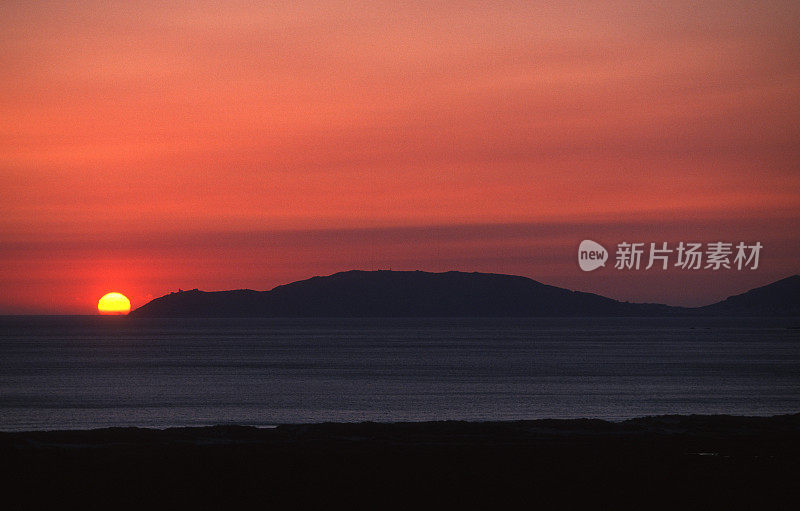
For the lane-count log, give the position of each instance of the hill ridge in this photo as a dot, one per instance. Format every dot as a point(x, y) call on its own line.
point(415, 293)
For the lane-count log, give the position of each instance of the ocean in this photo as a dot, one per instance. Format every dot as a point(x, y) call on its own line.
point(81, 372)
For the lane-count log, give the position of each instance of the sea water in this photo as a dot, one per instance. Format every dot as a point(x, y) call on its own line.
point(91, 372)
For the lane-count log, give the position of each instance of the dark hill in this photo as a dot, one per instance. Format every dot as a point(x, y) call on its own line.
point(399, 294)
point(781, 298)
point(450, 294)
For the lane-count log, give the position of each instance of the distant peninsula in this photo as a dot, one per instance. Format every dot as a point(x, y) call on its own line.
point(385, 293)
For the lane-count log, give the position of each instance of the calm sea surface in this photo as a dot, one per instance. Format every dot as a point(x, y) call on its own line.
point(89, 372)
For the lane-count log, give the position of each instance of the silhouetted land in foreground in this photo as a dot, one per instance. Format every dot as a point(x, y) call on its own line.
point(449, 294)
point(679, 462)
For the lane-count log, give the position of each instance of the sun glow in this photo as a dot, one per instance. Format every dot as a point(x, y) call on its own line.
point(114, 303)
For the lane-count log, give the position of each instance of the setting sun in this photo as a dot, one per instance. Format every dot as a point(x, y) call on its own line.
point(114, 303)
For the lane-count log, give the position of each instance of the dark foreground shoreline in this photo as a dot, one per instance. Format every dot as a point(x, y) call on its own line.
point(678, 462)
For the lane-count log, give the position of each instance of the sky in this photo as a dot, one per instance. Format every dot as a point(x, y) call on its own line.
point(147, 147)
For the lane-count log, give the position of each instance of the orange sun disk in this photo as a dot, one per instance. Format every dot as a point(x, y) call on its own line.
point(114, 303)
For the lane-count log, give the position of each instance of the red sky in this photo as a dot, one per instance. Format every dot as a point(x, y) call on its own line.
point(146, 147)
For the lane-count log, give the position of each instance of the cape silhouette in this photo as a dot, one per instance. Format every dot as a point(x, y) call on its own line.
point(386, 293)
